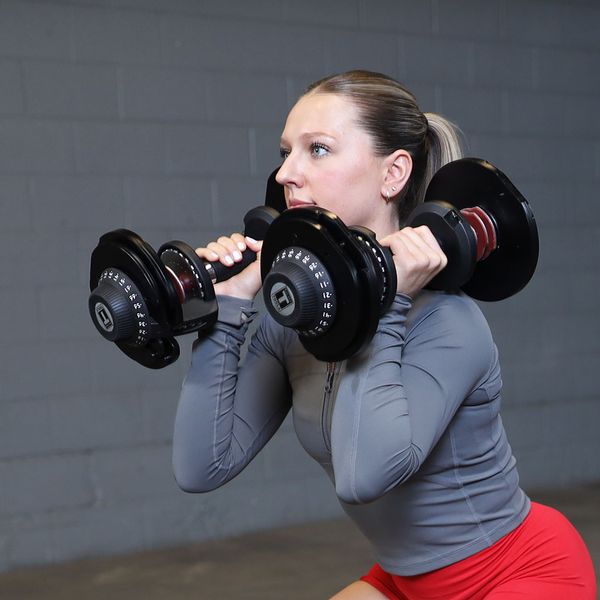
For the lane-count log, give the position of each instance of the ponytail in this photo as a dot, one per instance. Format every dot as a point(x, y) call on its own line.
point(444, 144)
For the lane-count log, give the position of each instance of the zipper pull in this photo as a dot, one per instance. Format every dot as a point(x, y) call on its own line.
point(330, 374)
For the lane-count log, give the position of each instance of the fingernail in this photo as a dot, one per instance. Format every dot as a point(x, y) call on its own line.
point(241, 246)
point(228, 260)
point(237, 255)
point(252, 240)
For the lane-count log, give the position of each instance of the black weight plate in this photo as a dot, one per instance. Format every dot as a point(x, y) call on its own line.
point(475, 182)
point(274, 194)
point(323, 234)
point(125, 250)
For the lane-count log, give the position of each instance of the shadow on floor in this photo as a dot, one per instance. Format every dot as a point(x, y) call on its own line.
point(305, 562)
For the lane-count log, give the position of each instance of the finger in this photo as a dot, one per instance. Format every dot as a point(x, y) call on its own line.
point(421, 241)
point(427, 236)
point(254, 245)
point(224, 253)
point(206, 254)
point(232, 247)
point(240, 241)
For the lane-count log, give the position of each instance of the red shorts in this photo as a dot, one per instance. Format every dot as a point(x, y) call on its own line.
point(542, 559)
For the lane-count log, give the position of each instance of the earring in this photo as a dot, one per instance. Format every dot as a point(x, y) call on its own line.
point(387, 197)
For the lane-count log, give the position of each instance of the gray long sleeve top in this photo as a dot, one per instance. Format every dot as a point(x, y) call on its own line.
point(408, 431)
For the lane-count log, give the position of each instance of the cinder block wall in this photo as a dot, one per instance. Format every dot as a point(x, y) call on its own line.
point(163, 116)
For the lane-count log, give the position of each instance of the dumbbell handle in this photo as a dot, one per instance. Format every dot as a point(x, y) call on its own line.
point(217, 271)
point(256, 223)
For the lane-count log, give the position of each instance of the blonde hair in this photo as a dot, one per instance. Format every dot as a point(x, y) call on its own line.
point(390, 114)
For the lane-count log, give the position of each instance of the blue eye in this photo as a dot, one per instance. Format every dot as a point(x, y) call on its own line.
point(319, 150)
point(284, 153)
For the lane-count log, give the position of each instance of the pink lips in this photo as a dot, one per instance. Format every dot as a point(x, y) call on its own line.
point(295, 203)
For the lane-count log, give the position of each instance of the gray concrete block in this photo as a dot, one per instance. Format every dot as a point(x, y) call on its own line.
point(15, 203)
point(88, 203)
point(163, 94)
point(560, 250)
point(266, 142)
point(45, 483)
point(234, 197)
point(534, 22)
point(264, 48)
point(174, 202)
point(17, 417)
point(532, 157)
point(124, 148)
point(32, 146)
point(134, 35)
point(337, 13)
point(582, 118)
point(409, 17)
point(207, 150)
point(34, 29)
point(549, 23)
point(548, 201)
point(473, 109)
point(427, 59)
point(93, 421)
point(11, 89)
point(580, 26)
point(503, 66)
point(42, 369)
point(257, 10)
point(247, 98)
point(346, 50)
point(427, 95)
point(130, 475)
point(566, 70)
point(84, 533)
point(468, 19)
point(20, 316)
point(25, 541)
point(41, 258)
point(158, 409)
point(532, 113)
point(68, 90)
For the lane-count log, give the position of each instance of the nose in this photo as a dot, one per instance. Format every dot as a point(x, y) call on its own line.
point(290, 172)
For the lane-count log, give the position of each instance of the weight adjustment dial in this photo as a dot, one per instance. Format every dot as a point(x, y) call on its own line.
point(299, 293)
point(118, 309)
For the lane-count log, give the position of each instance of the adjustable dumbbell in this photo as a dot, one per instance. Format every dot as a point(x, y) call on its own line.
point(140, 299)
point(332, 283)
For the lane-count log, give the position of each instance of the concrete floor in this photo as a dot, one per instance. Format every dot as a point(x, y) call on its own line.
point(303, 562)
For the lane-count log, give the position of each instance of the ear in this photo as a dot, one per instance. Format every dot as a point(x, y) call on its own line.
point(398, 167)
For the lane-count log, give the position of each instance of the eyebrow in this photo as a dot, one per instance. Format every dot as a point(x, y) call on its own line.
point(310, 135)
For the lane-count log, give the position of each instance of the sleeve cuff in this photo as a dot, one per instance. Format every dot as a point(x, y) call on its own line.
point(235, 311)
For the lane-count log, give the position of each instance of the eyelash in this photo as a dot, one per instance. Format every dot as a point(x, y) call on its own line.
point(318, 146)
point(284, 152)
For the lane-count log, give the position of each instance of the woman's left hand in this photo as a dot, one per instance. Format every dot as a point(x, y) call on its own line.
point(417, 256)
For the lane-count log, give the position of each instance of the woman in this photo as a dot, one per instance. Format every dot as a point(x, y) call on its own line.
point(408, 430)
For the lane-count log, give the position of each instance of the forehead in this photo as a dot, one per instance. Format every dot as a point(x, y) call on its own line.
point(326, 113)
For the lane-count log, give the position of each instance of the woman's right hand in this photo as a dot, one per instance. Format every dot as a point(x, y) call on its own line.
point(228, 250)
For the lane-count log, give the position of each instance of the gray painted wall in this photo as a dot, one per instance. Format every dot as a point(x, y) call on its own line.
point(164, 116)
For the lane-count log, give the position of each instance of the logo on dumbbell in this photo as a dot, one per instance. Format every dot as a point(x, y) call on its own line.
point(282, 299)
point(103, 317)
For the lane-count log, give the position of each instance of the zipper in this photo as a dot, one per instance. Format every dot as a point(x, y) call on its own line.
point(328, 403)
